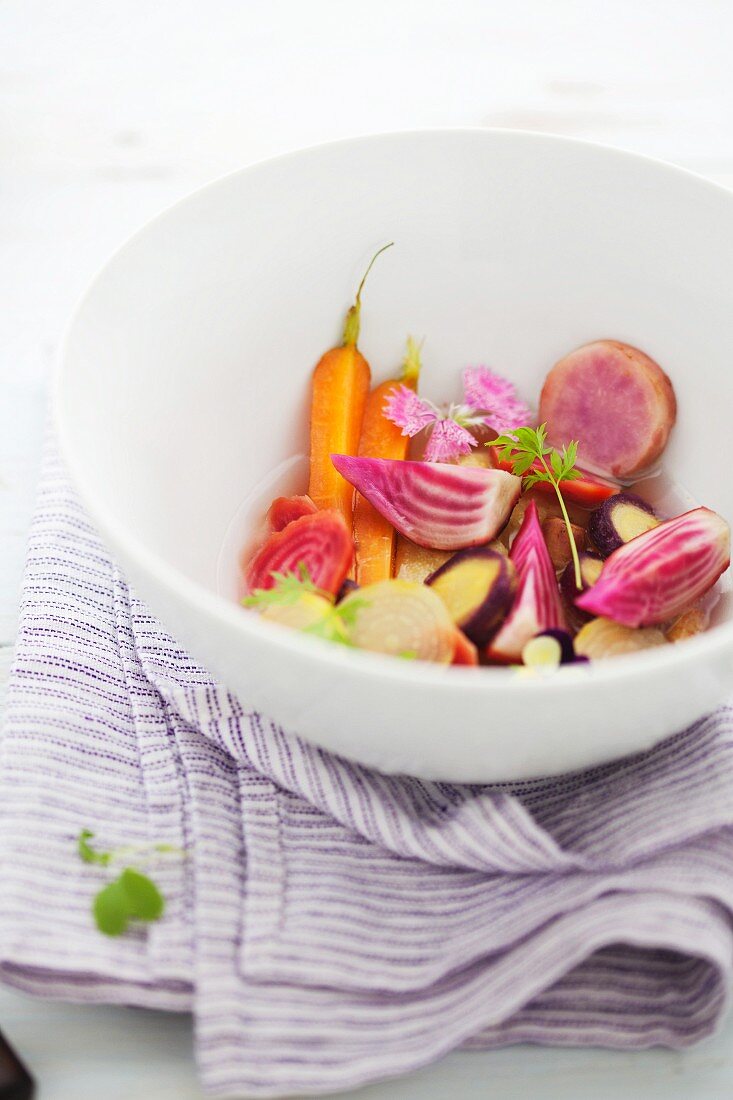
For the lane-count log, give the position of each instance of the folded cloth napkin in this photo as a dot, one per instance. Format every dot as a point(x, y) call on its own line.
point(330, 925)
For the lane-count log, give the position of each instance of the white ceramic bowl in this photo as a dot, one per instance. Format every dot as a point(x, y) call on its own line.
point(184, 385)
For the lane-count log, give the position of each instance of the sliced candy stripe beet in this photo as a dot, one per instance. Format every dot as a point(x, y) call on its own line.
point(435, 504)
point(537, 606)
point(661, 572)
point(320, 542)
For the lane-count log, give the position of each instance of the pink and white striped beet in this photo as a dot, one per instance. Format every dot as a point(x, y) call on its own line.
point(537, 606)
point(435, 504)
point(661, 572)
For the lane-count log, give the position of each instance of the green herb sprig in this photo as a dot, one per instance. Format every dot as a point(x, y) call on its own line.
point(336, 621)
point(527, 447)
point(132, 895)
point(287, 589)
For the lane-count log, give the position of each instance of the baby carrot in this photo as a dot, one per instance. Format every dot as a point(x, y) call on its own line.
point(340, 388)
point(374, 535)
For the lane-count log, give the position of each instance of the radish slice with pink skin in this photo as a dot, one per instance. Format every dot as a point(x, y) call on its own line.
point(537, 607)
point(435, 504)
point(616, 400)
point(661, 572)
point(320, 542)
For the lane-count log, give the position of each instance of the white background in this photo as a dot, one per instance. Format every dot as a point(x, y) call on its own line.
point(112, 109)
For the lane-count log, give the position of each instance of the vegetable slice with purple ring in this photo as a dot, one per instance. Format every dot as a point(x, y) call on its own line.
point(477, 586)
point(435, 504)
point(591, 566)
point(537, 607)
point(660, 573)
point(619, 520)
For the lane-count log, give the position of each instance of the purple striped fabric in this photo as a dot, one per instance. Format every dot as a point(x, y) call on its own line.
point(330, 925)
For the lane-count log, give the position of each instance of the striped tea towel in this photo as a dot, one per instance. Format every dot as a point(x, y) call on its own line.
point(333, 926)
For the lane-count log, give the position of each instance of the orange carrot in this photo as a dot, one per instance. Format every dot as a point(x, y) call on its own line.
point(340, 389)
point(374, 535)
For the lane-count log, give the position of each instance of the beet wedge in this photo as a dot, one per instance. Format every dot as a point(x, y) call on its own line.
point(661, 572)
point(320, 544)
point(284, 510)
point(437, 505)
point(537, 607)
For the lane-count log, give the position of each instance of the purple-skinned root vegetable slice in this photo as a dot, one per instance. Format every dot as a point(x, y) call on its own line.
point(601, 638)
point(400, 618)
point(435, 504)
point(477, 587)
point(537, 606)
point(591, 566)
point(619, 520)
point(319, 544)
point(660, 573)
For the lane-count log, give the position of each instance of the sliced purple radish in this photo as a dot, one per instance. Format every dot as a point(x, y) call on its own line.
point(660, 573)
point(537, 607)
point(435, 504)
point(619, 520)
point(616, 400)
point(319, 544)
point(477, 586)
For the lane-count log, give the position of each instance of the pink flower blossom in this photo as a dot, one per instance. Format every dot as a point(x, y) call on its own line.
point(496, 397)
point(408, 411)
point(447, 440)
point(489, 401)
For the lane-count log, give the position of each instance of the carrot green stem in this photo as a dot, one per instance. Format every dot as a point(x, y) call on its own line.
point(411, 364)
point(566, 517)
point(353, 317)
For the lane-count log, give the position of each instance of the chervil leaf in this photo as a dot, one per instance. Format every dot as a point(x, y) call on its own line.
point(145, 901)
point(132, 895)
point(335, 625)
point(112, 909)
point(87, 853)
point(522, 462)
point(526, 448)
point(287, 589)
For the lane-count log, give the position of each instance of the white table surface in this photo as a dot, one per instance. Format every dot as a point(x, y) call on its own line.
point(109, 112)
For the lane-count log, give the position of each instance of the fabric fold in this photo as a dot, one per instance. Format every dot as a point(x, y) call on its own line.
point(329, 926)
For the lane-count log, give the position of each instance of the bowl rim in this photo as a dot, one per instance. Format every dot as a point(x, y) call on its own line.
point(378, 666)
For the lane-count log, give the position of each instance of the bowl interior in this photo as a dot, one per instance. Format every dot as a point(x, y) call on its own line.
point(183, 395)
